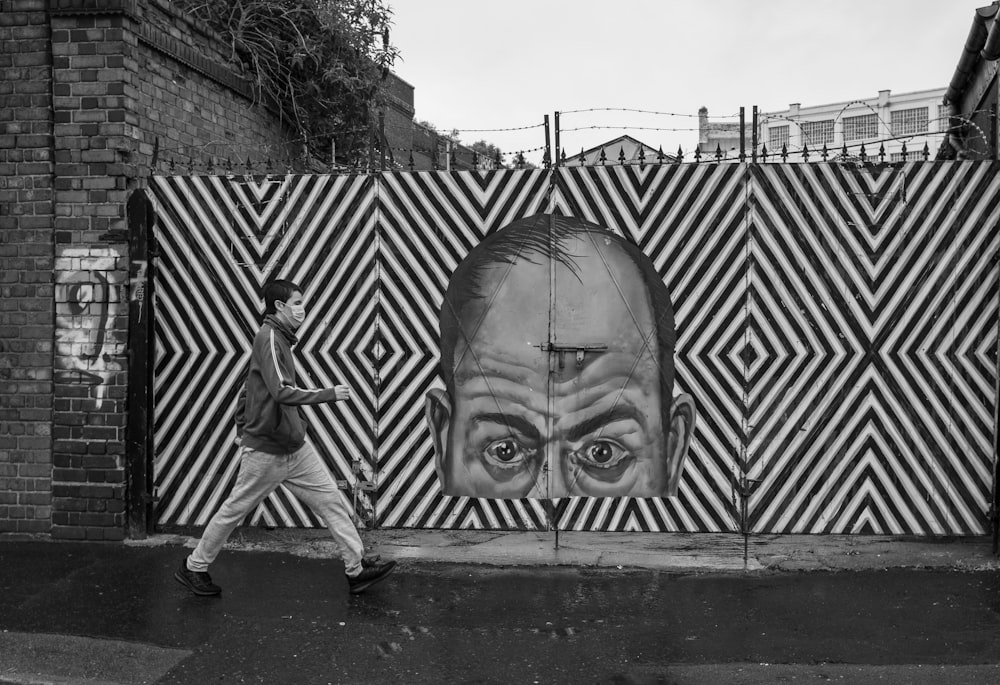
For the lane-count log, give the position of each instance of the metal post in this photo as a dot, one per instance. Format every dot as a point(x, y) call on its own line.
point(558, 147)
point(743, 135)
point(994, 511)
point(753, 137)
point(371, 145)
point(548, 149)
point(139, 426)
point(381, 138)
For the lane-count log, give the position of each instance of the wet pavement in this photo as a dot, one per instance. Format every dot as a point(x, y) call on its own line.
point(111, 613)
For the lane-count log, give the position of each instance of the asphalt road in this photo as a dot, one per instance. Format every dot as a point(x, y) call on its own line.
point(86, 613)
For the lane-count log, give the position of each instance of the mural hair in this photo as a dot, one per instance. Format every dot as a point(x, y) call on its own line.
point(545, 235)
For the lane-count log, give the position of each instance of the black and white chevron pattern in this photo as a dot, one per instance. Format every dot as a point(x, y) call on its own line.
point(837, 327)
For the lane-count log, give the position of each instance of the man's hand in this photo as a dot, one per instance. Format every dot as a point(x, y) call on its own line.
point(343, 392)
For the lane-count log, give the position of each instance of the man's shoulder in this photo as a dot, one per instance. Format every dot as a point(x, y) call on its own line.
point(265, 334)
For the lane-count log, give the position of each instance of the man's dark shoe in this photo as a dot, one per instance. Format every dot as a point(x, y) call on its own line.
point(198, 582)
point(371, 573)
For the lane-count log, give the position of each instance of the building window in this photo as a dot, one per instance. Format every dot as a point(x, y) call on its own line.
point(817, 133)
point(776, 137)
point(861, 127)
point(909, 121)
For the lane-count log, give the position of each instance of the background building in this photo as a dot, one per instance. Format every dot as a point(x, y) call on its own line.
point(880, 124)
point(623, 149)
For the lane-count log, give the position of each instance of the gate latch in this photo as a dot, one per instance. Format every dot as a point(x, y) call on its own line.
point(580, 349)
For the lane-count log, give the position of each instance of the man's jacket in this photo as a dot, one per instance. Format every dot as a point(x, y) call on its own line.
point(267, 415)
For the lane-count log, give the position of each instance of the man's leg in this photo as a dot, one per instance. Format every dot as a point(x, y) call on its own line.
point(309, 480)
point(260, 473)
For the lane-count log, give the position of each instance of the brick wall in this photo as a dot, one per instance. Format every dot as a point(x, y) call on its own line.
point(26, 303)
point(97, 95)
point(196, 114)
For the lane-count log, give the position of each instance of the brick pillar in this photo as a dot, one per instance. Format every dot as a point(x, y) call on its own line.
point(26, 252)
point(92, 44)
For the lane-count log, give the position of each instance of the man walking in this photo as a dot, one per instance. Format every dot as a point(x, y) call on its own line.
point(273, 451)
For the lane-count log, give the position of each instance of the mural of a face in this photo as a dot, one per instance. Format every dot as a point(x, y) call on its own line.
point(87, 303)
point(557, 342)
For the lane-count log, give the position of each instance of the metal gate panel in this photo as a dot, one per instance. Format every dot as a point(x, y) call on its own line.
point(874, 294)
point(690, 220)
point(836, 327)
point(218, 240)
point(428, 222)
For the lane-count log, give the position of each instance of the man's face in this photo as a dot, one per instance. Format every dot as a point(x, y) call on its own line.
point(530, 422)
point(293, 311)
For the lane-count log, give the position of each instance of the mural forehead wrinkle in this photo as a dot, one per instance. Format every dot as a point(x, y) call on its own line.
point(565, 386)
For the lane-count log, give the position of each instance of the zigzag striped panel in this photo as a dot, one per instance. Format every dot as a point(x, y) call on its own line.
point(873, 327)
point(219, 240)
point(427, 223)
point(691, 221)
point(837, 328)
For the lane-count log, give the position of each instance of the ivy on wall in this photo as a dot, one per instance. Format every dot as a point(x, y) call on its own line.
point(320, 63)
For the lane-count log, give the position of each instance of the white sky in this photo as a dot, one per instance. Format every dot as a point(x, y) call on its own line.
point(494, 64)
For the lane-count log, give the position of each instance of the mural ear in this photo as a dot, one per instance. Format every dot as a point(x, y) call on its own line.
point(437, 411)
point(682, 419)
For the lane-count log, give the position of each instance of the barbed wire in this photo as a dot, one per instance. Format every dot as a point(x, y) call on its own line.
point(625, 128)
point(221, 153)
point(499, 130)
point(640, 111)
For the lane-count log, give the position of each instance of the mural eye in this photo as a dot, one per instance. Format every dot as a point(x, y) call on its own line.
point(602, 454)
point(506, 452)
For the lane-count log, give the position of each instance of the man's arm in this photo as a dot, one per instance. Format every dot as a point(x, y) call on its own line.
point(241, 412)
point(274, 356)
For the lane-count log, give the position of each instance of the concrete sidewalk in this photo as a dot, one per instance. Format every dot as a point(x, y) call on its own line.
point(680, 552)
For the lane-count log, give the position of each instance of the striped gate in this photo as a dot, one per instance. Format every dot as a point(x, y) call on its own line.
point(836, 326)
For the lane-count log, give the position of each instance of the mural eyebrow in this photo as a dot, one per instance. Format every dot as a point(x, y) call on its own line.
point(616, 413)
point(511, 421)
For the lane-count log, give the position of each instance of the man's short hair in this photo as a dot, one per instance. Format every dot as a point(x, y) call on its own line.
point(278, 290)
point(545, 235)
